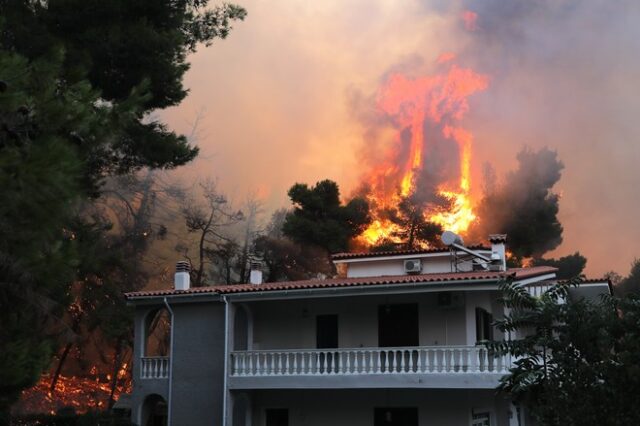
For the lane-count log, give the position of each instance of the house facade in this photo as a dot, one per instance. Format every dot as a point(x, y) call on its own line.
point(393, 340)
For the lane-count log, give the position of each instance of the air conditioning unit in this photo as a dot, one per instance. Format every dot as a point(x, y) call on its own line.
point(450, 299)
point(413, 266)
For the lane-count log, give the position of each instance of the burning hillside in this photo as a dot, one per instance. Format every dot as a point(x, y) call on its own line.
point(428, 165)
point(90, 392)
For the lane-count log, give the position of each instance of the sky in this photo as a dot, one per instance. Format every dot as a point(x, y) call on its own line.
point(285, 99)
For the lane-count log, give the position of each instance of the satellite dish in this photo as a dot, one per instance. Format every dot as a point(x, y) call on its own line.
point(449, 238)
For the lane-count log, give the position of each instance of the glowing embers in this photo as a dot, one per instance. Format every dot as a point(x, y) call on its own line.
point(430, 162)
point(82, 393)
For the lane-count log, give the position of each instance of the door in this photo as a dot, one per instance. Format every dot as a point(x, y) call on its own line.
point(395, 416)
point(398, 325)
point(327, 337)
point(326, 331)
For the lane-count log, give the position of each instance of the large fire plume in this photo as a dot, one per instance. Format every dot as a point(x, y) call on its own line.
point(425, 113)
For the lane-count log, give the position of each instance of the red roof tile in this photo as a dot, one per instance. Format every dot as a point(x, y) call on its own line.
point(518, 273)
point(361, 255)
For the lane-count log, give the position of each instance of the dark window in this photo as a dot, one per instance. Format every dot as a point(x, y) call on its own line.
point(326, 331)
point(484, 329)
point(398, 325)
point(277, 417)
point(395, 416)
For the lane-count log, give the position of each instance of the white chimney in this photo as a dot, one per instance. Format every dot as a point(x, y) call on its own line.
point(498, 254)
point(255, 275)
point(182, 280)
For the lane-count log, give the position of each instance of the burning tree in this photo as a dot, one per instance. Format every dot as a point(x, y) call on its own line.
point(430, 159)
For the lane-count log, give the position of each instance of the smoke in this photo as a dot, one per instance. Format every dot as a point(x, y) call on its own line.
point(560, 77)
point(524, 207)
point(279, 95)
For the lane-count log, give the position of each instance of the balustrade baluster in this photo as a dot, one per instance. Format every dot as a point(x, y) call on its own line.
point(271, 364)
point(377, 368)
point(484, 362)
point(467, 362)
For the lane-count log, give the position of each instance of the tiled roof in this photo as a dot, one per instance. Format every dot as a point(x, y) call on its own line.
point(518, 273)
point(362, 255)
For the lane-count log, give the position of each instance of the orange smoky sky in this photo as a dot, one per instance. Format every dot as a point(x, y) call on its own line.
point(287, 96)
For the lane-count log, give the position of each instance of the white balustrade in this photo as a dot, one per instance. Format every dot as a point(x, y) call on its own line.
point(360, 361)
point(154, 367)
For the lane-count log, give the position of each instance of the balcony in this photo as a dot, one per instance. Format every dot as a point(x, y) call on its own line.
point(154, 367)
point(424, 366)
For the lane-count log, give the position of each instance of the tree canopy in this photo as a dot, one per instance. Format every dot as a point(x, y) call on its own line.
point(577, 361)
point(133, 54)
point(78, 83)
point(568, 266)
point(320, 219)
point(525, 207)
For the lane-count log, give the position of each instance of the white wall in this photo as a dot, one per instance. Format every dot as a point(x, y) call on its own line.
point(436, 407)
point(290, 324)
point(381, 268)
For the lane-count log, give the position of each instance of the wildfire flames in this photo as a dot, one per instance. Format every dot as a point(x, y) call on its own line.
point(90, 393)
point(425, 113)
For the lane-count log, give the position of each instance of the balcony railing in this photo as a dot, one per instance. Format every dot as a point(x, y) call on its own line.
point(154, 367)
point(361, 361)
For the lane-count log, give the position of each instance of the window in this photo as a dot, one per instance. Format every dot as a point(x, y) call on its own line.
point(484, 330)
point(481, 419)
point(277, 417)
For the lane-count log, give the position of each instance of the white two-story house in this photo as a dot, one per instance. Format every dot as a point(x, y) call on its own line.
point(392, 341)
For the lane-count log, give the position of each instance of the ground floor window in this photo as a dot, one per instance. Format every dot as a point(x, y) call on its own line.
point(481, 419)
point(277, 417)
point(395, 416)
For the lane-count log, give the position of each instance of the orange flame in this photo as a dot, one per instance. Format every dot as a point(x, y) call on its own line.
point(440, 101)
point(83, 393)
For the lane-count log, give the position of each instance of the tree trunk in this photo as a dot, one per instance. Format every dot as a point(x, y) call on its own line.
point(117, 363)
point(61, 362)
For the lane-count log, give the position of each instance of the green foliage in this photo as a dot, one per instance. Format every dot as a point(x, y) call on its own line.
point(577, 362)
point(40, 173)
point(132, 52)
point(78, 81)
point(525, 207)
point(631, 283)
point(319, 218)
point(568, 266)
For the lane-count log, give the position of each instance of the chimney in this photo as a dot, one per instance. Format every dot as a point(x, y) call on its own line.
point(498, 254)
point(182, 280)
point(255, 276)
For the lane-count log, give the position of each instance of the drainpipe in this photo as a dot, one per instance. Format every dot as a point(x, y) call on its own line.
point(166, 303)
point(226, 357)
